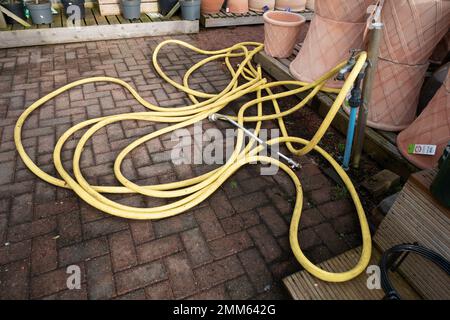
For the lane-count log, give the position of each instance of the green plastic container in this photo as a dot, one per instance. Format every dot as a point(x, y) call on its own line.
point(440, 188)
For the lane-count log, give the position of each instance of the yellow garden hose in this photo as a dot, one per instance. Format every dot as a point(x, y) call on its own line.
point(246, 79)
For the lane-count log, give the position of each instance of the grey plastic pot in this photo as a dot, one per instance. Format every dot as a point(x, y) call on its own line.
point(131, 9)
point(190, 9)
point(41, 13)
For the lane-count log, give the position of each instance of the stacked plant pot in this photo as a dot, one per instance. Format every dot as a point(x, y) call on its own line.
point(131, 9)
point(261, 5)
point(337, 27)
point(412, 29)
point(237, 6)
point(431, 127)
point(211, 6)
point(291, 5)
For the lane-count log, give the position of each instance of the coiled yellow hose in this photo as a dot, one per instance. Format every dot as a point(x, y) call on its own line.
point(194, 191)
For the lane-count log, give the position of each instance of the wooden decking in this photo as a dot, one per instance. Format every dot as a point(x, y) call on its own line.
point(415, 217)
point(379, 145)
point(93, 27)
point(225, 19)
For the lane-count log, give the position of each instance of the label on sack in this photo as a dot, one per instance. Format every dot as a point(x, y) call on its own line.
point(424, 149)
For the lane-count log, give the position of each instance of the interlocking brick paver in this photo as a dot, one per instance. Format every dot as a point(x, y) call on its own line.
point(232, 245)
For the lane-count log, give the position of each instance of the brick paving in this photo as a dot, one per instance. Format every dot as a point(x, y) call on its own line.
point(232, 246)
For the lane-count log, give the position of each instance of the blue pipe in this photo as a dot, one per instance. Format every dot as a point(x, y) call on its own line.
point(350, 136)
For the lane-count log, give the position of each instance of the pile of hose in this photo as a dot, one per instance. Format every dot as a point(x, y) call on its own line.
point(246, 78)
point(387, 262)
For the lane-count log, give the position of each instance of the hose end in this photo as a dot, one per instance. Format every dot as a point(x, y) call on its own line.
point(212, 117)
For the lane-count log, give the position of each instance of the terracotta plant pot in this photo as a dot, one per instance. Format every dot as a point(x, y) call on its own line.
point(281, 32)
point(237, 6)
point(442, 50)
point(310, 4)
point(258, 5)
point(431, 127)
point(292, 5)
point(412, 30)
point(396, 88)
point(343, 10)
point(211, 6)
point(330, 38)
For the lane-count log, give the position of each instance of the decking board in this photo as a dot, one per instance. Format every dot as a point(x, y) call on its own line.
point(93, 27)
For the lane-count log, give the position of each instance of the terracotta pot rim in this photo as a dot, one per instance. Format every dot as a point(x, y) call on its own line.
point(267, 18)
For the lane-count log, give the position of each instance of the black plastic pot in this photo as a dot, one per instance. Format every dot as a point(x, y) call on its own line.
point(16, 8)
point(78, 3)
point(131, 9)
point(41, 13)
point(166, 5)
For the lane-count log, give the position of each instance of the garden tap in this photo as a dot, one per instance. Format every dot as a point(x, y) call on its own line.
point(349, 66)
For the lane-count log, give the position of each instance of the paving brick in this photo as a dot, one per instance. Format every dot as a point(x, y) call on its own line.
point(218, 271)
point(240, 288)
point(14, 284)
point(154, 170)
point(160, 291)
point(100, 278)
point(282, 201)
point(330, 238)
point(250, 218)
point(230, 244)
point(308, 238)
point(311, 217)
point(51, 282)
point(180, 273)
point(265, 243)
point(273, 220)
point(44, 254)
point(135, 295)
point(249, 201)
point(57, 207)
point(123, 253)
point(209, 224)
point(346, 224)
point(232, 224)
point(256, 269)
point(179, 223)
point(69, 228)
point(336, 208)
point(82, 251)
point(217, 293)
point(31, 229)
point(196, 247)
point(14, 251)
point(21, 210)
point(221, 205)
point(139, 277)
point(103, 227)
point(142, 231)
point(158, 248)
point(321, 195)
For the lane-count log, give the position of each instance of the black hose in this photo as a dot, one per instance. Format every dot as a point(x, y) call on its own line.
point(387, 262)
